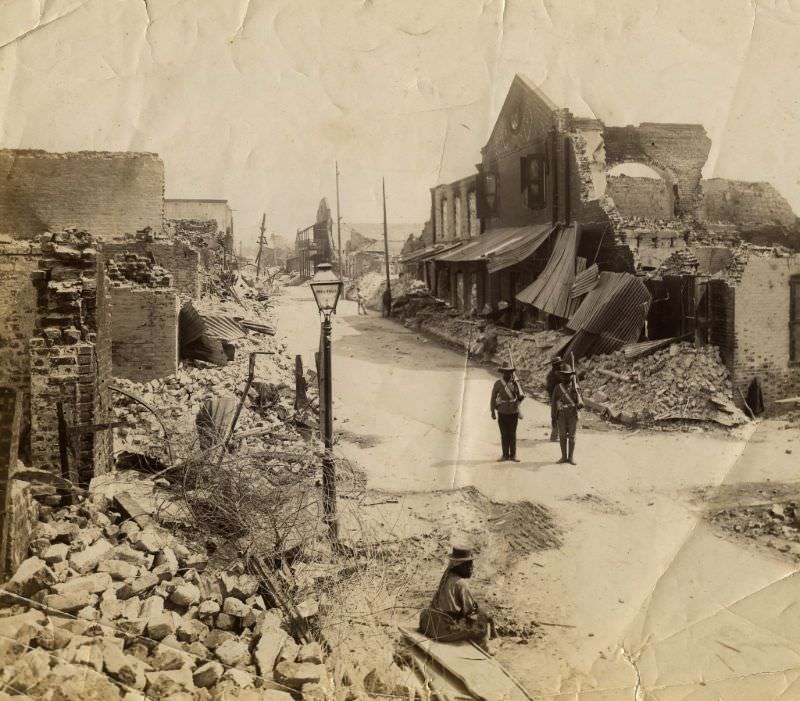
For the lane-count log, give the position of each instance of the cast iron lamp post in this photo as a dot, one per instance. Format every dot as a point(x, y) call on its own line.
point(327, 288)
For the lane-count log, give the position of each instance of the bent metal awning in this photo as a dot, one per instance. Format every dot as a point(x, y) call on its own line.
point(500, 248)
point(429, 252)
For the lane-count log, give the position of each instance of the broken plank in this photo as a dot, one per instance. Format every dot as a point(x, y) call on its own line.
point(482, 675)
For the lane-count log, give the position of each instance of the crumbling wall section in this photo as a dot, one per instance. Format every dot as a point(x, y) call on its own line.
point(109, 194)
point(762, 303)
point(649, 198)
point(144, 332)
point(181, 260)
point(677, 150)
point(744, 203)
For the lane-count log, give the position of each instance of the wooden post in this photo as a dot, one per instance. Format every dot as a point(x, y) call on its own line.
point(261, 245)
point(386, 249)
point(300, 386)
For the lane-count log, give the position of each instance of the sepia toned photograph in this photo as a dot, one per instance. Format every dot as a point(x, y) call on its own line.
point(428, 350)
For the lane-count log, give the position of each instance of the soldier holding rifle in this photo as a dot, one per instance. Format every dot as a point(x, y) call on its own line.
point(567, 402)
point(506, 398)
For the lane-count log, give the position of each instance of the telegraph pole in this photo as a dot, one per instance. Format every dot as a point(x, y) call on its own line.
point(261, 245)
point(338, 223)
point(386, 248)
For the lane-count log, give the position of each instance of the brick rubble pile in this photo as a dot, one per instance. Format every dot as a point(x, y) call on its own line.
point(110, 605)
point(141, 270)
point(672, 384)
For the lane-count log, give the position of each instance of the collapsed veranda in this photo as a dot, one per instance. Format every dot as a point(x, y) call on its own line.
point(612, 234)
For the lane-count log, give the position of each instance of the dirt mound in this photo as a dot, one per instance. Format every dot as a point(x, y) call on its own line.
point(526, 527)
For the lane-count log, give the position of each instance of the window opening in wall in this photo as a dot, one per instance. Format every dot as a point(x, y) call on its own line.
point(533, 181)
point(459, 301)
point(445, 220)
point(472, 214)
point(794, 319)
point(457, 203)
point(487, 195)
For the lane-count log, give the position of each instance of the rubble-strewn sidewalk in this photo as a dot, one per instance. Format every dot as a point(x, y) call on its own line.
point(111, 605)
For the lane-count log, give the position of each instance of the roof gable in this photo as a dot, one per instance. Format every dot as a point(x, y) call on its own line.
point(527, 114)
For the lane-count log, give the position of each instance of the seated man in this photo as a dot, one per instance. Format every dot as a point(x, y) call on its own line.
point(453, 614)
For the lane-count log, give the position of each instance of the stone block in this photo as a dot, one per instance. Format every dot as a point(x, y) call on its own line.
point(296, 674)
point(208, 674)
point(87, 560)
point(126, 669)
point(267, 650)
point(232, 652)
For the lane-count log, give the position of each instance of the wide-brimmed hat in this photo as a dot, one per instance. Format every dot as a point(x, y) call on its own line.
point(460, 555)
point(555, 360)
point(507, 367)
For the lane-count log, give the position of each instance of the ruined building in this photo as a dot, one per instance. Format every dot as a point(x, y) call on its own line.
point(561, 206)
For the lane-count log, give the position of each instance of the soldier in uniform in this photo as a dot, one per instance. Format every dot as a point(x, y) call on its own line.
point(504, 406)
point(566, 402)
point(551, 382)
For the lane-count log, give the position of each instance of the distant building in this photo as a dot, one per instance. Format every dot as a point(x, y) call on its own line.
point(202, 210)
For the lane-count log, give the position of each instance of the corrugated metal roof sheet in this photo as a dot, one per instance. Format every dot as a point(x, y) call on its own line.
point(611, 316)
point(508, 244)
point(550, 292)
point(429, 252)
point(225, 328)
point(585, 281)
point(519, 248)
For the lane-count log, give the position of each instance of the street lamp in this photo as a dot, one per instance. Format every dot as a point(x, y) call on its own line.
point(326, 288)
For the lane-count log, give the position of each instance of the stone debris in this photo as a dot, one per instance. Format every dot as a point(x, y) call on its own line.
point(677, 383)
point(109, 621)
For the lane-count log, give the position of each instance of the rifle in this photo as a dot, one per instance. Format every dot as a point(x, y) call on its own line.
point(575, 381)
point(514, 378)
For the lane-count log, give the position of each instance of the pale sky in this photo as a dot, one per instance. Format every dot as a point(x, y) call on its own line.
point(254, 101)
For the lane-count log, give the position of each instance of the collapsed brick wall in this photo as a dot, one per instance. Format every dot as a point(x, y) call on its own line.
point(181, 260)
point(109, 194)
point(650, 198)
point(56, 348)
point(144, 332)
point(10, 412)
point(676, 150)
point(18, 311)
point(744, 203)
point(761, 323)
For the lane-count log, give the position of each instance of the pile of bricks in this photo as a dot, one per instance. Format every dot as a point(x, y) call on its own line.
point(141, 270)
point(111, 605)
point(678, 383)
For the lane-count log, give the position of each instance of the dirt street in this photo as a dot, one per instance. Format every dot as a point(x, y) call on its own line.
point(653, 600)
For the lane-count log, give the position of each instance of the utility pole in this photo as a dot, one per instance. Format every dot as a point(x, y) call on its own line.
point(261, 245)
point(386, 249)
point(338, 222)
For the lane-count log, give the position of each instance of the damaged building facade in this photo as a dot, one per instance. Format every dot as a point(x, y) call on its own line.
point(91, 286)
point(575, 226)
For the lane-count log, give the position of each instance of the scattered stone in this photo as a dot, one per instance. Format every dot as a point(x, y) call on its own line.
point(240, 677)
point(111, 609)
point(149, 541)
point(161, 625)
point(216, 638)
point(119, 569)
point(191, 630)
point(125, 668)
point(185, 595)
point(235, 607)
point(267, 651)
point(31, 576)
point(165, 658)
point(57, 552)
point(208, 608)
point(225, 621)
point(296, 674)
point(151, 607)
point(93, 583)
point(161, 685)
point(289, 651)
point(71, 602)
point(208, 674)
point(87, 560)
point(137, 586)
point(231, 652)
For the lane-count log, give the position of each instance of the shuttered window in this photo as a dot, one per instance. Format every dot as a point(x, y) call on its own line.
point(532, 181)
